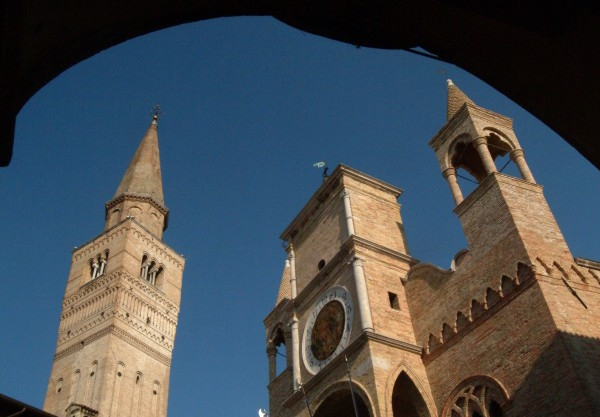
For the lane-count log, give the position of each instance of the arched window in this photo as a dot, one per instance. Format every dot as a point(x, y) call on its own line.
point(98, 264)
point(144, 267)
point(478, 396)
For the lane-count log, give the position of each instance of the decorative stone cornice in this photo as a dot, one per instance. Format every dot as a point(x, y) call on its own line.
point(154, 244)
point(136, 197)
point(121, 334)
point(151, 291)
point(121, 276)
point(91, 247)
point(94, 286)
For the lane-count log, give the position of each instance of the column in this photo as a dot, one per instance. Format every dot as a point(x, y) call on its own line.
point(272, 355)
point(450, 175)
point(348, 213)
point(295, 352)
point(102, 266)
point(484, 153)
point(518, 157)
point(292, 261)
point(363, 297)
point(95, 269)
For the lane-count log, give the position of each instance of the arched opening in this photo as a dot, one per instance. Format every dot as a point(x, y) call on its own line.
point(407, 400)
point(478, 396)
point(500, 152)
point(470, 170)
point(465, 156)
point(114, 217)
point(340, 404)
point(279, 361)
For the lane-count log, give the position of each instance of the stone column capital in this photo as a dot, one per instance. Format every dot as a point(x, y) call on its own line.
point(449, 172)
point(481, 140)
point(515, 153)
point(357, 261)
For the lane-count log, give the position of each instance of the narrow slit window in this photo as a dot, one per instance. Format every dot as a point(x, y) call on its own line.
point(394, 303)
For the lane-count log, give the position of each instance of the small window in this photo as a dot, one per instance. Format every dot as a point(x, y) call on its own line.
point(321, 265)
point(394, 303)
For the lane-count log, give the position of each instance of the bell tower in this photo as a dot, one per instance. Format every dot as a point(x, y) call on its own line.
point(511, 211)
point(121, 303)
point(509, 326)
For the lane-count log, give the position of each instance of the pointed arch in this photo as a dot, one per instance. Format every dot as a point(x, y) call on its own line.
point(419, 389)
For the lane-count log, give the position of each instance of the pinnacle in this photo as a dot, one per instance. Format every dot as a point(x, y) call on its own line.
point(285, 287)
point(456, 98)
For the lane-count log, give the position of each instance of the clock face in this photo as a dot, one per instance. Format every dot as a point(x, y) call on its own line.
point(327, 329)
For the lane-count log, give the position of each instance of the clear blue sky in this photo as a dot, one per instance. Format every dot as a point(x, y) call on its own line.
point(250, 104)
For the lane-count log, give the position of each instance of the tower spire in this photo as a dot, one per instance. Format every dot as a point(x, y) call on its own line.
point(140, 192)
point(456, 98)
point(143, 176)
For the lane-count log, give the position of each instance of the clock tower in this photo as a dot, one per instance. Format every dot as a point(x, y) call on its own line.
point(119, 315)
point(341, 297)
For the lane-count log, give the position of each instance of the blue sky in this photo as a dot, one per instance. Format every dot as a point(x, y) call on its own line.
point(249, 105)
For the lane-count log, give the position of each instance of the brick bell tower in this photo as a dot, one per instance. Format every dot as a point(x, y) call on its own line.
point(120, 308)
point(341, 295)
point(513, 328)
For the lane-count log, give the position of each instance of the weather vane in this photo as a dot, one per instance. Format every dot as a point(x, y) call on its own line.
point(322, 164)
point(156, 112)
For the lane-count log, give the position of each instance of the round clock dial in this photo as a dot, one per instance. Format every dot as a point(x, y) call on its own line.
point(327, 329)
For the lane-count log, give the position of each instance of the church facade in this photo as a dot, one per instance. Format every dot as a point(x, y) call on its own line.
point(121, 303)
point(511, 329)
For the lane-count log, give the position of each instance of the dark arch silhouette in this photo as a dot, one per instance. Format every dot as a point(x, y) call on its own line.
point(407, 400)
point(544, 58)
point(339, 404)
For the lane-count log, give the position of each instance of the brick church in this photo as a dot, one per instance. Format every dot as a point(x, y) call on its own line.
point(511, 329)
